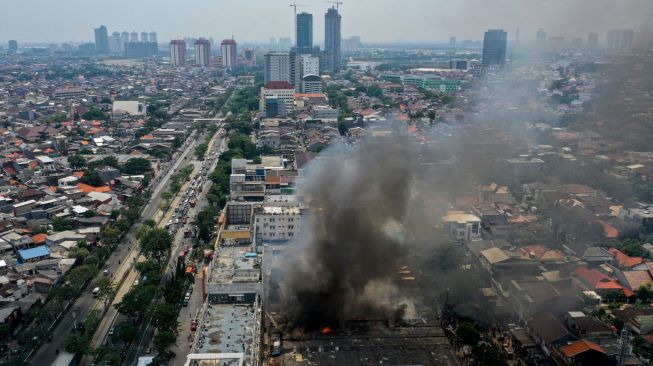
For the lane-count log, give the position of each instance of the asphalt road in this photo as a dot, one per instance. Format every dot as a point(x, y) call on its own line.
point(181, 347)
point(86, 302)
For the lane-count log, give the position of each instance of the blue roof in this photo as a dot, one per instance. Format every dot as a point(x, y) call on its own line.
point(35, 252)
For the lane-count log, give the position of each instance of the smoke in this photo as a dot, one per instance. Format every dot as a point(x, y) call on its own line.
point(344, 267)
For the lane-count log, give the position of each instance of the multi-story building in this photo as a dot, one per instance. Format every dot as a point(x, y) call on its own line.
point(332, 37)
point(541, 37)
point(282, 91)
point(277, 66)
point(619, 40)
point(495, 43)
point(133, 36)
point(13, 45)
point(124, 38)
point(153, 37)
point(306, 69)
point(101, 40)
point(250, 57)
point(178, 52)
point(144, 37)
point(202, 52)
point(115, 42)
point(304, 33)
point(593, 41)
point(277, 223)
point(229, 51)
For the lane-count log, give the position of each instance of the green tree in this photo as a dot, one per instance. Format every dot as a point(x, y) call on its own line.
point(156, 244)
point(92, 178)
point(76, 161)
point(164, 316)
point(110, 235)
point(162, 340)
point(127, 333)
point(78, 344)
point(136, 166)
point(134, 303)
point(107, 289)
point(61, 224)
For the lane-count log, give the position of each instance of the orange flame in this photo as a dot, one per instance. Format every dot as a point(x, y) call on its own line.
point(325, 330)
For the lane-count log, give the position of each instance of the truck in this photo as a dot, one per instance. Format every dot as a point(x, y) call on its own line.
point(276, 345)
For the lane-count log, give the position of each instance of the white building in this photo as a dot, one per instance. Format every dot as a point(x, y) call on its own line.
point(277, 66)
point(228, 50)
point(462, 226)
point(280, 90)
point(277, 223)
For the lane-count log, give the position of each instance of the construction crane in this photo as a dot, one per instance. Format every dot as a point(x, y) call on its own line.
point(338, 3)
point(295, 5)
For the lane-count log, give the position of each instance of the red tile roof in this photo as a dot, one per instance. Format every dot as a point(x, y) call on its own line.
point(580, 346)
point(623, 259)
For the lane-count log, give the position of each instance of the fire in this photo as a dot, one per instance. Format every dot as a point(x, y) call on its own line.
point(325, 330)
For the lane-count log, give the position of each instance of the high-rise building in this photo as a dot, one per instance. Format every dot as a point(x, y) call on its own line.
point(308, 80)
point(178, 52)
point(115, 42)
point(517, 34)
point(277, 66)
point(541, 37)
point(13, 45)
point(452, 44)
point(124, 38)
point(273, 44)
point(619, 40)
point(144, 37)
point(202, 52)
point(133, 36)
point(577, 44)
point(250, 57)
point(495, 43)
point(228, 50)
point(285, 43)
point(351, 44)
point(332, 37)
point(304, 33)
point(101, 40)
point(593, 41)
point(153, 37)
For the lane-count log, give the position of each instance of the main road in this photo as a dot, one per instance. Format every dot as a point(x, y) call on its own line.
point(116, 263)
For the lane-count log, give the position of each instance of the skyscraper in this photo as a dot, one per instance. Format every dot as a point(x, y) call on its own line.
point(13, 46)
point(178, 52)
point(541, 37)
point(593, 41)
point(133, 36)
point(115, 42)
point(304, 36)
point(619, 40)
point(452, 44)
point(144, 37)
point(202, 52)
point(228, 50)
point(101, 40)
point(124, 38)
point(494, 47)
point(250, 57)
point(153, 37)
point(332, 36)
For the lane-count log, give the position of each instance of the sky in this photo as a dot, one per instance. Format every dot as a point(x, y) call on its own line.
point(372, 20)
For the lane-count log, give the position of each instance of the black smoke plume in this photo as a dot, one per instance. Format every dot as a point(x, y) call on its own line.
point(344, 265)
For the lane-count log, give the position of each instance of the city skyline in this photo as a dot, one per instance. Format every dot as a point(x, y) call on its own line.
point(256, 21)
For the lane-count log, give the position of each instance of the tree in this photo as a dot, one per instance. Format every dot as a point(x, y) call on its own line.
point(76, 161)
point(92, 178)
point(468, 334)
point(110, 236)
point(77, 344)
point(61, 224)
point(135, 302)
point(127, 333)
point(107, 289)
point(164, 316)
point(162, 340)
point(156, 243)
point(78, 275)
point(137, 166)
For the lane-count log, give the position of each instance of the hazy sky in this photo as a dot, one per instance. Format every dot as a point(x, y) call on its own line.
point(373, 20)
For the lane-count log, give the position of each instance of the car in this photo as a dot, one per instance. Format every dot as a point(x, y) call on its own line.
point(112, 330)
point(106, 272)
point(136, 283)
point(190, 289)
point(187, 297)
point(184, 302)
